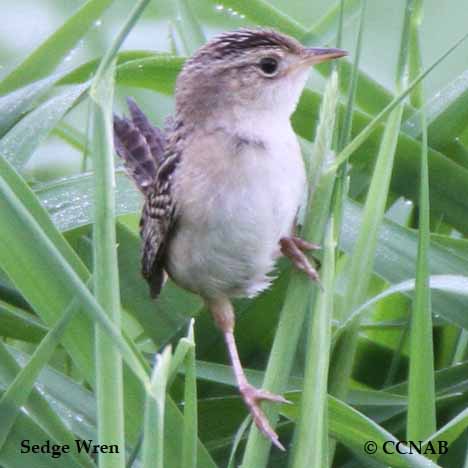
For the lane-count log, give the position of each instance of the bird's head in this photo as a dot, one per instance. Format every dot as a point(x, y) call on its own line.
point(256, 70)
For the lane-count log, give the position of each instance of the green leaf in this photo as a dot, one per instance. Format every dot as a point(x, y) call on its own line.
point(18, 145)
point(153, 439)
point(19, 324)
point(27, 429)
point(447, 434)
point(421, 421)
point(52, 51)
point(354, 430)
point(20, 389)
point(17, 103)
point(38, 408)
point(264, 13)
point(188, 27)
point(310, 447)
point(450, 283)
point(189, 447)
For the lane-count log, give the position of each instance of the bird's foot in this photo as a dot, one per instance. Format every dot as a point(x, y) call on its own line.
point(293, 248)
point(253, 397)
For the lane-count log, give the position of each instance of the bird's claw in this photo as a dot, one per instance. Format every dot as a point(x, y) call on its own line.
point(293, 247)
point(253, 397)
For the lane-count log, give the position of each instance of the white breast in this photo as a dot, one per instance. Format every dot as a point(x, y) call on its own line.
point(233, 210)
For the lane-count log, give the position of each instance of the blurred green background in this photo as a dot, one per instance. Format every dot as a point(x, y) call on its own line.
point(25, 24)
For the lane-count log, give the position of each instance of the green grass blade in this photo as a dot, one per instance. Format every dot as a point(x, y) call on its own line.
point(326, 27)
point(189, 446)
point(397, 101)
point(262, 12)
point(421, 420)
point(455, 284)
point(354, 429)
point(362, 259)
point(153, 440)
point(310, 448)
point(36, 404)
point(299, 292)
point(72, 136)
point(446, 114)
point(23, 257)
point(188, 27)
point(27, 429)
point(109, 376)
point(52, 51)
point(20, 389)
point(361, 265)
point(237, 439)
point(448, 433)
point(109, 371)
point(18, 145)
point(17, 103)
point(345, 130)
point(19, 324)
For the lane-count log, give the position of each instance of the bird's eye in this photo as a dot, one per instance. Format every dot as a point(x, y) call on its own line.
point(269, 66)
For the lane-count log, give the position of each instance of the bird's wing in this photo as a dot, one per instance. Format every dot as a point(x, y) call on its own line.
point(156, 222)
point(150, 159)
point(140, 145)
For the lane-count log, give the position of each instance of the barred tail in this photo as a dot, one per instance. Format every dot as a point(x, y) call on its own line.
point(140, 145)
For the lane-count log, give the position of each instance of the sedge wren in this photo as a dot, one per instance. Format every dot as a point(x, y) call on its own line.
point(223, 183)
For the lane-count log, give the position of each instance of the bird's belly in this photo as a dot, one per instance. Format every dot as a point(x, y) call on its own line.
point(231, 245)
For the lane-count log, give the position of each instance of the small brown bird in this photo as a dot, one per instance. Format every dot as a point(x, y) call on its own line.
point(224, 181)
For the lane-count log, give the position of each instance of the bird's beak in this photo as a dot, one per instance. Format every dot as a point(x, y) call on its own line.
point(314, 55)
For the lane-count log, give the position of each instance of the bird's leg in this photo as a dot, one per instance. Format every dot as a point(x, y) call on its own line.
point(223, 315)
point(293, 248)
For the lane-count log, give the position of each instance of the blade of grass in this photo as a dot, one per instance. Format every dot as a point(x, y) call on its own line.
point(362, 259)
point(326, 27)
point(344, 130)
point(27, 250)
point(51, 52)
point(189, 445)
point(446, 114)
point(72, 136)
point(19, 102)
point(109, 375)
point(447, 434)
point(153, 439)
point(264, 13)
point(27, 429)
point(36, 405)
point(310, 447)
point(361, 265)
point(455, 284)
point(354, 429)
point(16, 323)
point(421, 419)
point(20, 389)
point(188, 27)
point(397, 101)
point(18, 145)
point(299, 293)
point(237, 439)
point(109, 371)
